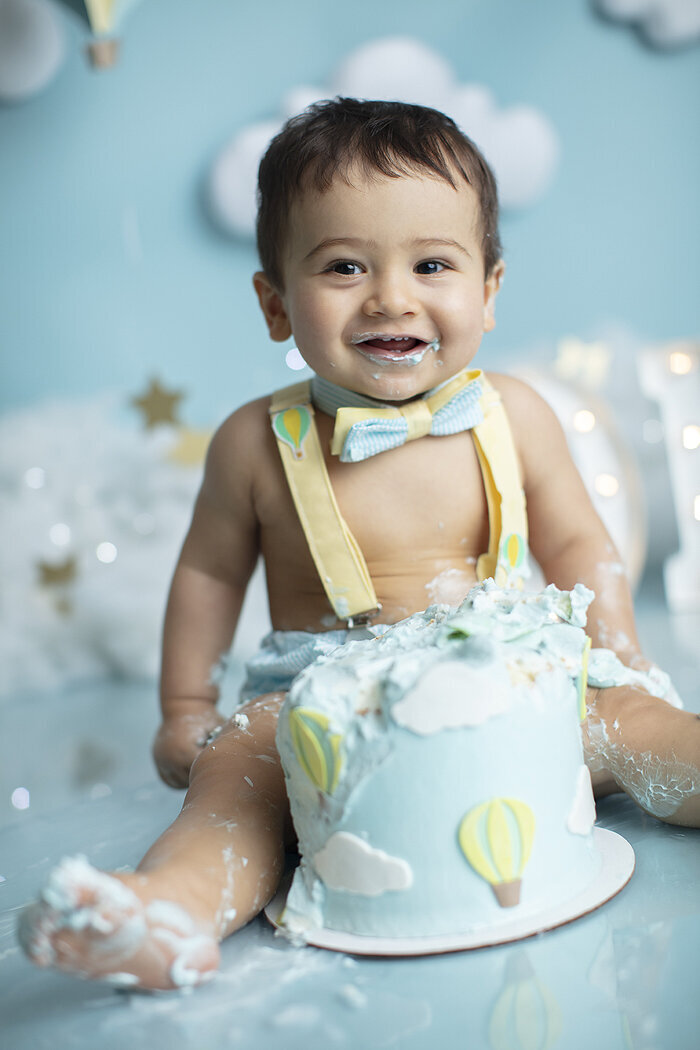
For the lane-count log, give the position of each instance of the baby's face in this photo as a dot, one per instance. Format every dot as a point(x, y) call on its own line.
point(384, 287)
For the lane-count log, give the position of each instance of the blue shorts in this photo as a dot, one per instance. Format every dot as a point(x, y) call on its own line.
point(283, 654)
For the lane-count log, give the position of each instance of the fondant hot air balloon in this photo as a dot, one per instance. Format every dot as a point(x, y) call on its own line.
point(317, 750)
point(496, 839)
point(104, 19)
point(292, 426)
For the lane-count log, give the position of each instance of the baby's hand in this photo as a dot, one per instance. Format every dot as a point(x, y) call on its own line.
point(182, 735)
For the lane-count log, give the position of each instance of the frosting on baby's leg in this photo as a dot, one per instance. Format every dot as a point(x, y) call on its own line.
point(660, 785)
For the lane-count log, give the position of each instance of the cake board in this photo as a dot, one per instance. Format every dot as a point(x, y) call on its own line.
point(616, 869)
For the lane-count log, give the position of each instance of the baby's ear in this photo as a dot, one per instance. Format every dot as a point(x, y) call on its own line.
point(491, 286)
point(272, 305)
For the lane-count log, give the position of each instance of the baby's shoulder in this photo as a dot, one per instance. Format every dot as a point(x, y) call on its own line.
point(250, 418)
point(242, 441)
point(529, 415)
point(537, 433)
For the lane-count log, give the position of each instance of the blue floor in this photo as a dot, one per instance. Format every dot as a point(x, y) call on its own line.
point(624, 976)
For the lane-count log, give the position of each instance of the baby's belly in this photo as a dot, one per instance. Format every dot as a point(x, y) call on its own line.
point(400, 592)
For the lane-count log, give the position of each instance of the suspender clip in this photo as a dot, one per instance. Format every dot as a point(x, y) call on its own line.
point(362, 619)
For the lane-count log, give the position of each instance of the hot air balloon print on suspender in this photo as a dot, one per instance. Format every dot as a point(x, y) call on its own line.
point(291, 426)
point(496, 839)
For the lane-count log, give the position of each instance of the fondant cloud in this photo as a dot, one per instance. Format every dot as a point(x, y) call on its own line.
point(450, 695)
point(665, 23)
point(519, 142)
point(348, 863)
point(582, 815)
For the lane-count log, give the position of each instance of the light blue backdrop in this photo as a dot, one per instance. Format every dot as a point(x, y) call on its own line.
point(112, 272)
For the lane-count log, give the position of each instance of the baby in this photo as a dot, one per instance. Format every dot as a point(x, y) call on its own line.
point(378, 239)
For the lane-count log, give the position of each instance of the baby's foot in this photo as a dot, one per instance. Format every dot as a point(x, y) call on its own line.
point(96, 925)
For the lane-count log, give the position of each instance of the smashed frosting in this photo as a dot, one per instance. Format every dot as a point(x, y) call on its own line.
point(451, 706)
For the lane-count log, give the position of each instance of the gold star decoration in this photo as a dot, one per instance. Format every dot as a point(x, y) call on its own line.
point(54, 578)
point(52, 575)
point(158, 404)
point(191, 447)
point(585, 363)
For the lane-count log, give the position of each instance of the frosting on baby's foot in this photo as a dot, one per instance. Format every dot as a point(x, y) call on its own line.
point(93, 925)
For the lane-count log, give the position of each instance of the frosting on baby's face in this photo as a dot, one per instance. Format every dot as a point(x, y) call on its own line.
point(384, 284)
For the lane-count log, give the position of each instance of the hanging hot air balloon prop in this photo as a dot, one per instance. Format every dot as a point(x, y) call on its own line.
point(104, 19)
point(317, 750)
point(496, 839)
point(292, 426)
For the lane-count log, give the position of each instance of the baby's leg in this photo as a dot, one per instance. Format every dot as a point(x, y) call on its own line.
point(644, 746)
point(211, 872)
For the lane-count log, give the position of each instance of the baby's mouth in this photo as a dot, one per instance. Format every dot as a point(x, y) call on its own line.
point(389, 347)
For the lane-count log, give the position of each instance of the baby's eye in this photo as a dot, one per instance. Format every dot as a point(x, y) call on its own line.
point(430, 266)
point(345, 268)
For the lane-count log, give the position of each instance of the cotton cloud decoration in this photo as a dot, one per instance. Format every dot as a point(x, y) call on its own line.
point(665, 23)
point(520, 142)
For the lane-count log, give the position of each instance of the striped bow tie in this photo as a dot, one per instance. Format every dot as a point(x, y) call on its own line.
point(361, 432)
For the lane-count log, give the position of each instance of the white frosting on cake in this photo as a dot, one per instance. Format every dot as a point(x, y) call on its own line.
point(435, 772)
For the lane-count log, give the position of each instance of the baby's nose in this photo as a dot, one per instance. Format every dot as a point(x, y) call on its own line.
point(391, 296)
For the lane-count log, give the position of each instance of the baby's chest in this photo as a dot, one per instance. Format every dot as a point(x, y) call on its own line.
point(428, 494)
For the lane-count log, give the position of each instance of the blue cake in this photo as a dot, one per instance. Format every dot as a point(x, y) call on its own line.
point(435, 772)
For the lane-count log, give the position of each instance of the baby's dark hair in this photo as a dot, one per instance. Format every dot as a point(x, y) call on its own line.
point(392, 138)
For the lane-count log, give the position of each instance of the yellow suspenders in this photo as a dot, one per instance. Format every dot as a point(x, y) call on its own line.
point(338, 559)
point(506, 559)
point(335, 552)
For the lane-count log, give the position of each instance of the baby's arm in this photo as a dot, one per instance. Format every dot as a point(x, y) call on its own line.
point(633, 740)
point(206, 595)
point(567, 537)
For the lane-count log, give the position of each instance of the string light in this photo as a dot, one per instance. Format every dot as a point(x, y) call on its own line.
point(680, 363)
point(691, 436)
point(20, 798)
point(584, 421)
point(607, 485)
point(60, 534)
point(294, 360)
point(106, 552)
